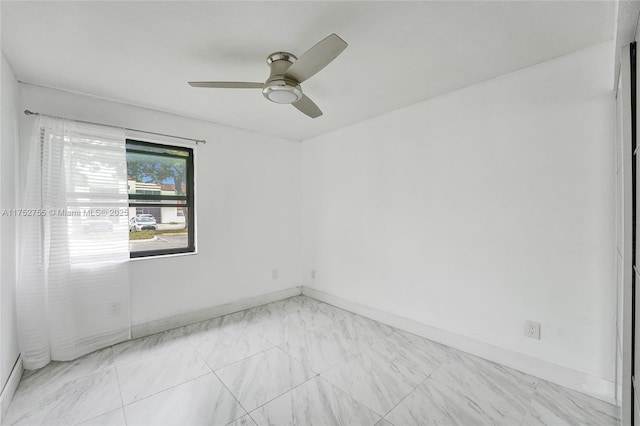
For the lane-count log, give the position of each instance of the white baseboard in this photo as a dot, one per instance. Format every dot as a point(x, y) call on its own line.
point(619, 396)
point(564, 376)
point(10, 388)
point(180, 320)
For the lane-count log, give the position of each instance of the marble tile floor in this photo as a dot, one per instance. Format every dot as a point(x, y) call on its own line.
point(293, 362)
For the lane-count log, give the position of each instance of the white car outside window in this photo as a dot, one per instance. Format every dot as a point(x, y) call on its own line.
point(143, 222)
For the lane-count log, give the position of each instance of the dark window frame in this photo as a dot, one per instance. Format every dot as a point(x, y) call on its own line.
point(188, 198)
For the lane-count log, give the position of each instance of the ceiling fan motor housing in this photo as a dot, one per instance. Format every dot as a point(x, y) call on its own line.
point(279, 88)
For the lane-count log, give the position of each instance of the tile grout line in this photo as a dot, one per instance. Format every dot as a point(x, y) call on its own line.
point(120, 390)
point(283, 393)
point(354, 400)
point(166, 389)
point(234, 362)
point(163, 390)
point(277, 396)
point(170, 387)
point(356, 352)
point(233, 396)
point(226, 387)
point(412, 391)
point(96, 374)
point(348, 359)
point(352, 397)
point(298, 360)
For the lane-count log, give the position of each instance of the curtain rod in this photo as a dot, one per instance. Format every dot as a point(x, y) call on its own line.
point(197, 141)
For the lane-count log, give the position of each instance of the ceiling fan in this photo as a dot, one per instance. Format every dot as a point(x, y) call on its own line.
point(287, 72)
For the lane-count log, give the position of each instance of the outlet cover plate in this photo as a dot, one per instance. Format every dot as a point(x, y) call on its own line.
point(532, 329)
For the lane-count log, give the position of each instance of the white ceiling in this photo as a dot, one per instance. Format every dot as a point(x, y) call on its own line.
point(399, 53)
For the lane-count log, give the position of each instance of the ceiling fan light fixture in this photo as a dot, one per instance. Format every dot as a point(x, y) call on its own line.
point(286, 74)
point(282, 92)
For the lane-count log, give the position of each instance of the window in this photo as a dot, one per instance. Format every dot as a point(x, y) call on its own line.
point(161, 205)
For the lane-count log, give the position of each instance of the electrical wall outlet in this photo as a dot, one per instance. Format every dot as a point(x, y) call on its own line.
point(115, 308)
point(313, 274)
point(274, 274)
point(532, 329)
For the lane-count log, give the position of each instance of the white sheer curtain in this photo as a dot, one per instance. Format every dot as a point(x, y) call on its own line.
point(73, 290)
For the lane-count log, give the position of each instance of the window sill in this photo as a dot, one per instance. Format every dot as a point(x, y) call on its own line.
point(163, 256)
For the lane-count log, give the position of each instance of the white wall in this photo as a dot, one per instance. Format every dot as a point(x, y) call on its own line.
point(8, 123)
point(479, 209)
point(248, 209)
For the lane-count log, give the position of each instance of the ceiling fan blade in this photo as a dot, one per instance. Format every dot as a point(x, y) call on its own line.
point(226, 84)
point(316, 58)
point(308, 107)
